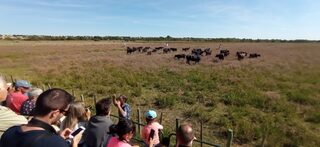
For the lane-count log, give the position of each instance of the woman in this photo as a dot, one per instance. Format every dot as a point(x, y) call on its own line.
point(28, 105)
point(76, 116)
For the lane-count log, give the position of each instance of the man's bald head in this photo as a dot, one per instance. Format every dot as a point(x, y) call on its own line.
point(185, 134)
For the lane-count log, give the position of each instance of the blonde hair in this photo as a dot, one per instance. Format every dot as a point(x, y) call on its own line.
point(76, 113)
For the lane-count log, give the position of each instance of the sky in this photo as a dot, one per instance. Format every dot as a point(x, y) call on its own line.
point(255, 19)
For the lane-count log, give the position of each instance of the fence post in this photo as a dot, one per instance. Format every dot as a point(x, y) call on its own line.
point(43, 87)
point(160, 118)
point(138, 119)
point(201, 139)
point(94, 99)
point(82, 98)
point(73, 94)
point(177, 126)
point(230, 138)
point(12, 79)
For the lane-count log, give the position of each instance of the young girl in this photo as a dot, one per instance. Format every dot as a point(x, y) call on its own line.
point(125, 130)
point(152, 124)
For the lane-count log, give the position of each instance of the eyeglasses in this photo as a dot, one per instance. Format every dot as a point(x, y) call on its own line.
point(64, 112)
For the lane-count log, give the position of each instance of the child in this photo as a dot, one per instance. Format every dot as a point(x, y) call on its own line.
point(152, 124)
point(123, 108)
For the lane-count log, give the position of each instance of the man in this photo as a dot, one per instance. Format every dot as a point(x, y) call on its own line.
point(8, 118)
point(16, 98)
point(98, 126)
point(123, 108)
point(185, 135)
point(51, 105)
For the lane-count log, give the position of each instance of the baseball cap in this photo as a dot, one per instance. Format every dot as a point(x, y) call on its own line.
point(23, 83)
point(151, 114)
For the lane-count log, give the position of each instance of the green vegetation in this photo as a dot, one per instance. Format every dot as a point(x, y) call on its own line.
point(271, 104)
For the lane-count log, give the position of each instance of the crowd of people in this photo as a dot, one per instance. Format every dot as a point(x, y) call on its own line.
point(31, 117)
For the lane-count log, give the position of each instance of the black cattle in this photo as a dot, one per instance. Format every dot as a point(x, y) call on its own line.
point(149, 53)
point(178, 56)
point(225, 52)
point(139, 48)
point(197, 51)
point(254, 55)
point(154, 50)
point(185, 49)
point(208, 51)
point(241, 55)
point(174, 49)
point(144, 50)
point(158, 48)
point(194, 57)
point(166, 50)
point(220, 56)
point(131, 50)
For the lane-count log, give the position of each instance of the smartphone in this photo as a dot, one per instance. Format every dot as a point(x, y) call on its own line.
point(151, 135)
point(76, 132)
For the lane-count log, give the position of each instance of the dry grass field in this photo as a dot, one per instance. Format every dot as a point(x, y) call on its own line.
point(275, 97)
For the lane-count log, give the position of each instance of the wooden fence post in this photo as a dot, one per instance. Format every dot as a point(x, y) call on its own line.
point(73, 93)
point(82, 98)
point(138, 119)
point(12, 81)
point(201, 139)
point(43, 87)
point(230, 138)
point(94, 99)
point(160, 118)
point(177, 127)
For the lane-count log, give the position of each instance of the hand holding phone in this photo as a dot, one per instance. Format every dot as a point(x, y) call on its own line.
point(151, 135)
point(76, 132)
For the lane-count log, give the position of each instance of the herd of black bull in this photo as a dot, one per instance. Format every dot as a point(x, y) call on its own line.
point(195, 55)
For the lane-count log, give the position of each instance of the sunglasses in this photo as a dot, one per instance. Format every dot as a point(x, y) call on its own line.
point(64, 112)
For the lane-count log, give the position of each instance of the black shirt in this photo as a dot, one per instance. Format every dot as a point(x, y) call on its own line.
point(14, 137)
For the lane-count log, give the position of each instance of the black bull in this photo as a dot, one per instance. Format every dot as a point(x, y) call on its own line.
point(195, 58)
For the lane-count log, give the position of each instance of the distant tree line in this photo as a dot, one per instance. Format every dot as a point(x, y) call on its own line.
point(127, 38)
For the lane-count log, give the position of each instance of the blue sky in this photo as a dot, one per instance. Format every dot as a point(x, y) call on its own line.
point(264, 19)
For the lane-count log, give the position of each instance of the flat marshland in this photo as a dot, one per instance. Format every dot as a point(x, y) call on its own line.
point(272, 100)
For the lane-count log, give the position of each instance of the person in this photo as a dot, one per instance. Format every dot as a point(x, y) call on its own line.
point(76, 117)
point(96, 134)
point(51, 105)
point(125, 130)
point(16, 98)
point(185, 135)
point(28, 105)
point(152, 124)
point(123, 108)
point(8, 118)
point(9, 90)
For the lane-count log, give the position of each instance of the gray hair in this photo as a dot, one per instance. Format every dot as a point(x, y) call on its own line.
point(35, 92)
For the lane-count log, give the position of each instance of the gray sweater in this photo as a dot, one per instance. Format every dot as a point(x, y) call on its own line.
point(97, 127)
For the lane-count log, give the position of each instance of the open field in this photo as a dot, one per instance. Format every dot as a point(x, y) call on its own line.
point(276, 96)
